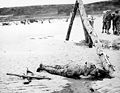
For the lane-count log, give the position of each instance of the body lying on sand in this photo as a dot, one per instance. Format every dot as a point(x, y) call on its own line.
point(88, 70)
point(77, 71)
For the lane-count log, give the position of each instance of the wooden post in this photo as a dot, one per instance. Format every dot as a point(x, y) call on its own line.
point(88, 39)
point(102, 56)
point(72, 19)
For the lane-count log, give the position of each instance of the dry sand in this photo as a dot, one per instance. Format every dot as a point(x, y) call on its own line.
point(24, 46)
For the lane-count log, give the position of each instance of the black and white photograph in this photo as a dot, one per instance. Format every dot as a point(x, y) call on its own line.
point(59, 46)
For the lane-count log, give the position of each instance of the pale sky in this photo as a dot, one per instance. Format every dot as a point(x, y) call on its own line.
point(13, 3)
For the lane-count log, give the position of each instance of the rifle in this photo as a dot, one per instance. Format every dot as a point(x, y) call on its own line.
point(29, 77)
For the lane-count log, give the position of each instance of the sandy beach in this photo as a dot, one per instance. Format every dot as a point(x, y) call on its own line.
point(29, 45)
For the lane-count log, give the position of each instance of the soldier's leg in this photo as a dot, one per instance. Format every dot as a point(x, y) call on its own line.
point(61, 70)
point(103, 27)
point(40, 68)
point(113, 27)
point(118, 29)
point(108, 27)
point(58, 70)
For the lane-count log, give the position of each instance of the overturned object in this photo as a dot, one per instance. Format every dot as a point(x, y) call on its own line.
point(76, 71)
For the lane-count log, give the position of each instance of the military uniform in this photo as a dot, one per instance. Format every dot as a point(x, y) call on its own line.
point(106, 22)
point(116, 22)
point(75, 70)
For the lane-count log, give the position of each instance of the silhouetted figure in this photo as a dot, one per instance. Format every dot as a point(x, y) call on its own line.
point(41, 21)
point(67, 20)
point(114, 20)
point(91, 20)
point(107, 17)
point(23, 22)
point(116, 23)
point(4, 24)
point(49, 21)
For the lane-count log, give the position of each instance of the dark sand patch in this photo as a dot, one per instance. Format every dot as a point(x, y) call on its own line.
point(77, 86)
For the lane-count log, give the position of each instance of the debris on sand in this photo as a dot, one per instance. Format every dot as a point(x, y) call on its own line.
point(116, 44)
point(106, 44)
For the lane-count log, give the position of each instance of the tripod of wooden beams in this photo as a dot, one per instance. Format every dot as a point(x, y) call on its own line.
point(90, 35)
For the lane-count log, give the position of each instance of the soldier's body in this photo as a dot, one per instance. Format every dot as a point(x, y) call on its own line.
point(107, 17)
point(76, 71)
point(118, 25)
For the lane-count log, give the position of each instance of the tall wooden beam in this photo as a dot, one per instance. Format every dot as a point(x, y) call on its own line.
point(71, 20)
point(88, 39)
point(101, 54)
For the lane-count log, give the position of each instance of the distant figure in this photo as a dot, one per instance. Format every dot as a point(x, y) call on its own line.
point(41, 21)
point(67, 19)
point(5, 23)
point(107, 17)
point(116, 22)
point(33, 20)
point(16, 23)
point(49, 21)
point(27, 21)
point(91, 20)
point(23, 22)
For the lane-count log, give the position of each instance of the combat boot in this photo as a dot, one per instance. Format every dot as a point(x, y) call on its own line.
point(102, 31)
point(40, 68)
point(107, 32)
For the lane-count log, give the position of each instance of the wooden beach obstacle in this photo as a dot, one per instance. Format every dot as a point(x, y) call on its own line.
point(88, 39)
point(102, 69)
point(91, 36)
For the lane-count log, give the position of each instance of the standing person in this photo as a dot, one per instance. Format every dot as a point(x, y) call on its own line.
point(117, 22)
point(107, 17)
point(91, 20)
point(114, 20)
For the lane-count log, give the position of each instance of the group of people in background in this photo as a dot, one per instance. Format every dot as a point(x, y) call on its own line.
point(29, 21)
point(24, 21)
point(111, 17)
